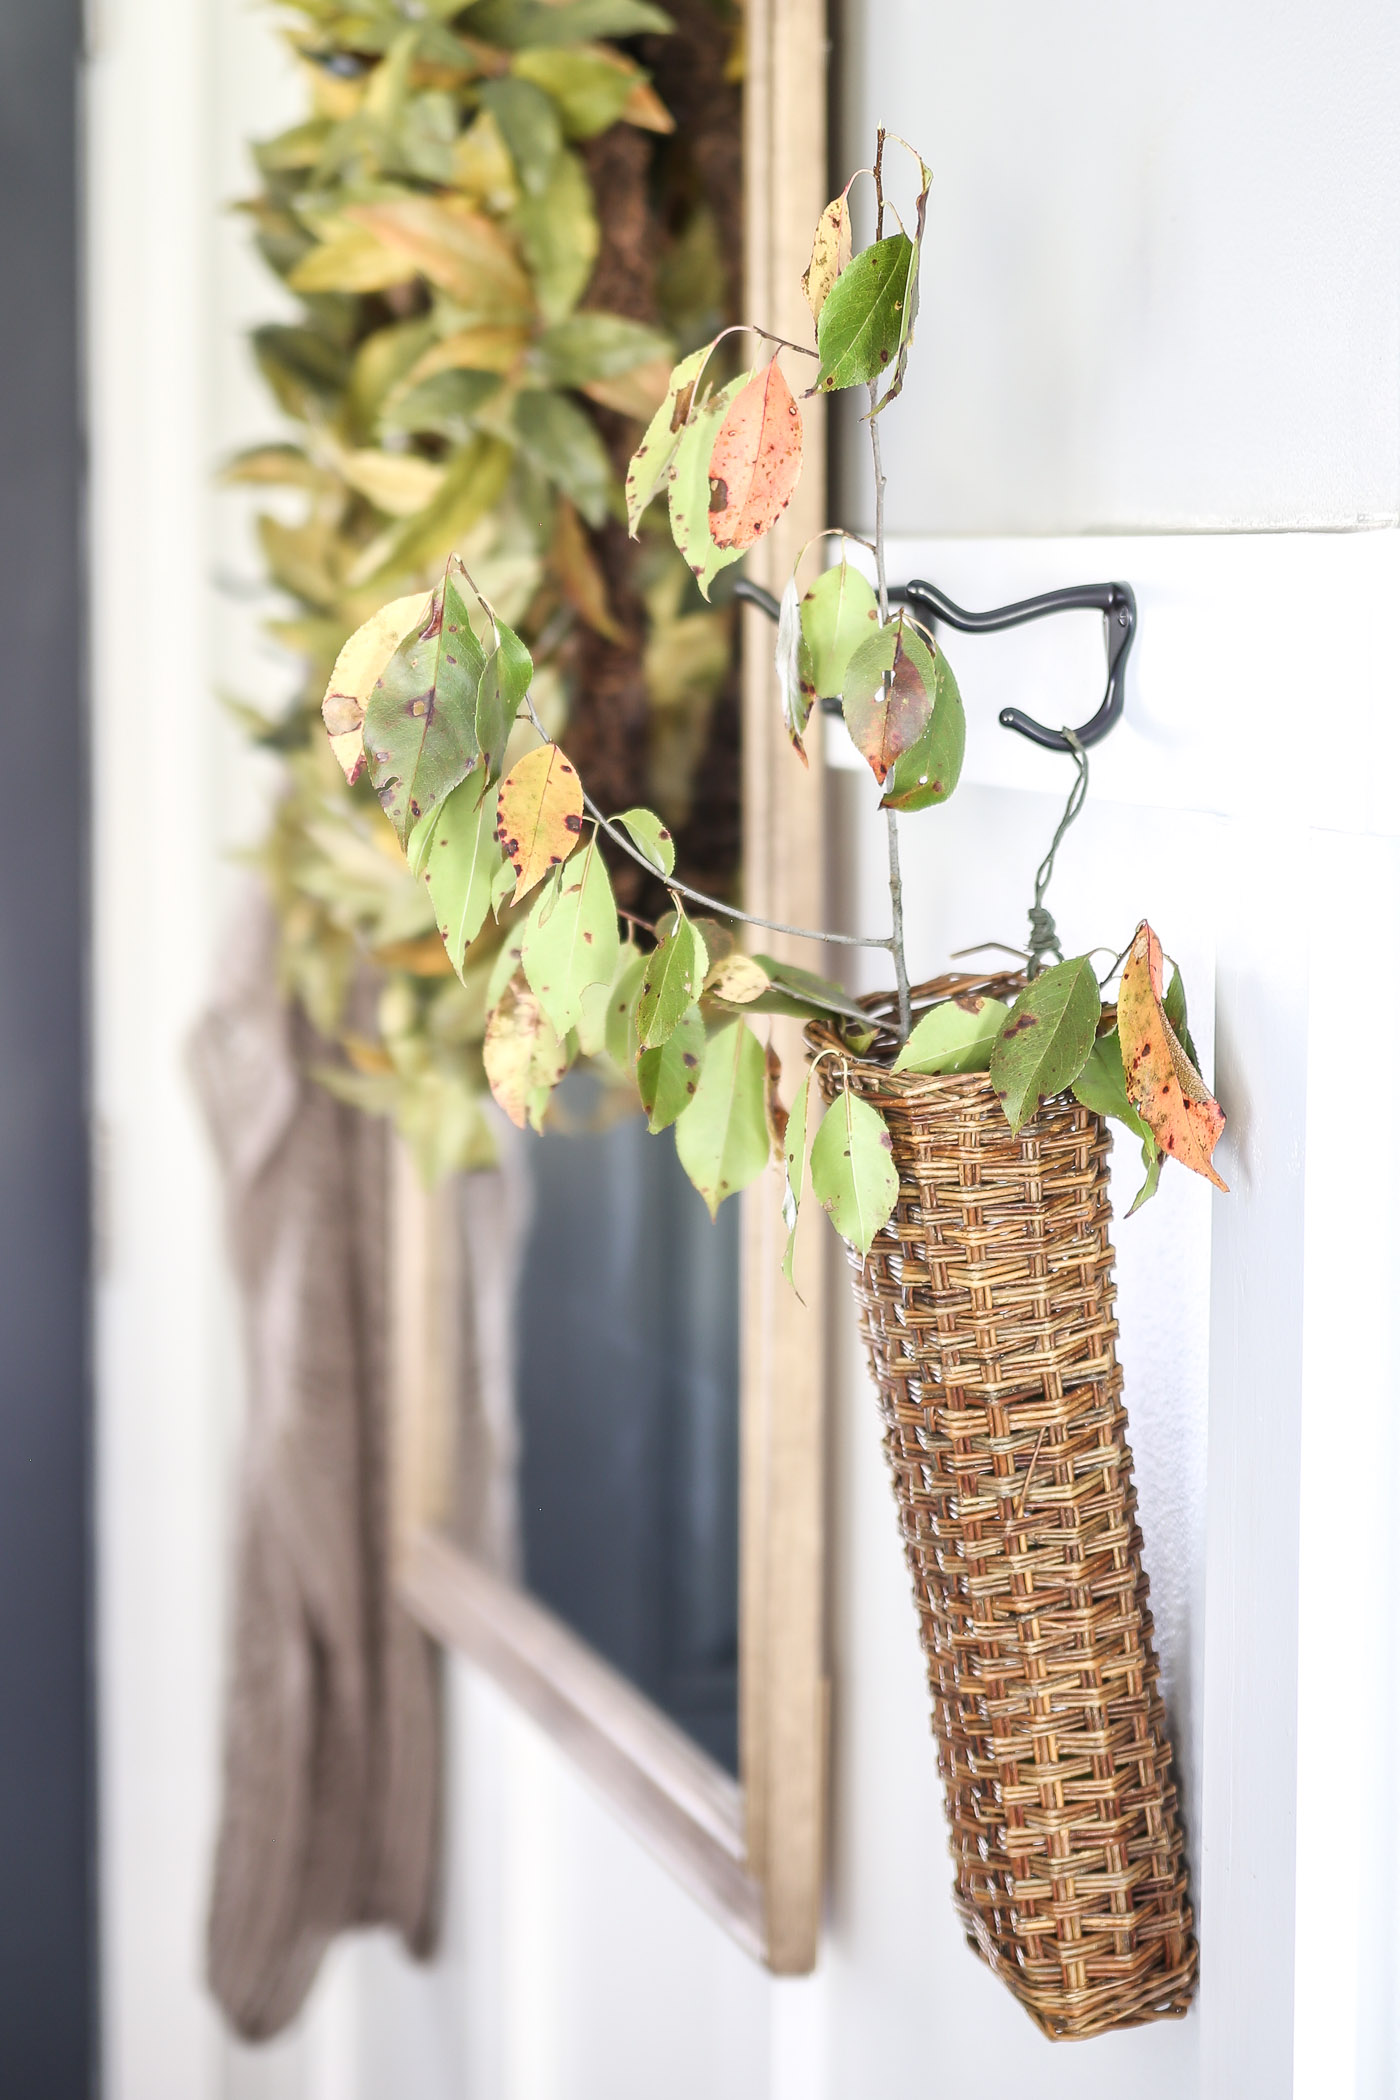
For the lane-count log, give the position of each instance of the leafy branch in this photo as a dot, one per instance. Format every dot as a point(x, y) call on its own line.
point(426, 699)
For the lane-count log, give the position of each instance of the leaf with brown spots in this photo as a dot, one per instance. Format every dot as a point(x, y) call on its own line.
point(831, 251)
point(688, 491)
point(722, 1139)
point(854, 1177)
point(755, 460)
point(930, 769)
point(653, 456)
point(357, 668)
point(570, 942)
point(523, 1057)
point(420, 718)
point(539, 815)
point(862, 322)
point(668, 1077)
point(887, 694)
point(1047, 1041)
point(1163, 1085)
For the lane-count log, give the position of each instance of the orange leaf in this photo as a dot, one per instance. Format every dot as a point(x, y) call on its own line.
point(539, 814)
point(1163, 1085)
point(756, 460)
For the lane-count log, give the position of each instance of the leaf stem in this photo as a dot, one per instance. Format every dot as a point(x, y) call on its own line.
point(683, 889)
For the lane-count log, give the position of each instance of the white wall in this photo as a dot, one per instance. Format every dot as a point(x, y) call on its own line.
point(1160, 288)
point(1163, 296)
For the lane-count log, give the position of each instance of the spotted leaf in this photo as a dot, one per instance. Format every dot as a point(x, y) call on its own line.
point(831, 251)
point(570, 944)
point(722, 1137)
point(420, 721)
point(689, 490)
point(1045, 1043)
point(358, 668)
point(523, 1056)
point(669, 1076)
point(854, 1177)
point(653, 456)
point(887, 695)
point(675, 971)
point(455, 852)
point(755, 460)
point(858, 334)
point(1162, 1082)
point(539, 814)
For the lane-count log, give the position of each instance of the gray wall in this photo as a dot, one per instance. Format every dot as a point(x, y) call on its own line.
point(45, 1894)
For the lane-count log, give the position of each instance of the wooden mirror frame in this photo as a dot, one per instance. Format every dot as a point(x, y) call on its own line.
point(750, 1849)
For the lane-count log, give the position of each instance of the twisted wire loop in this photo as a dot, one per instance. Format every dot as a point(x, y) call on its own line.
point(1044, 939)
point(986, 1306)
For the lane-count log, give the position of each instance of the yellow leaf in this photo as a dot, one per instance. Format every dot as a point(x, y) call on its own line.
point(578, 574)
point(352, 260)
point(524, 1058)
point(831, 251)
point(485, 348)
point(646, 110)
point(539, 814)
point(1163, 1085)
point(482, 166)
point(395, 482)
point(638, 393)
point(358, 666)
point(456, 248)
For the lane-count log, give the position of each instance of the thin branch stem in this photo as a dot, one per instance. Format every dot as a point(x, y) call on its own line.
point(896, 940)
point(683, 889)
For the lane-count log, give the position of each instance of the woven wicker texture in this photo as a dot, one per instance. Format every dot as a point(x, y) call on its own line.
point(986, 1305)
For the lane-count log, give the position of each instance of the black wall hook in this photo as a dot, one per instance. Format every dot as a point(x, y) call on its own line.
point(1114, 600)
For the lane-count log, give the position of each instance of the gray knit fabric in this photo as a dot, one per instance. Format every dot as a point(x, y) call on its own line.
point(332, 1730)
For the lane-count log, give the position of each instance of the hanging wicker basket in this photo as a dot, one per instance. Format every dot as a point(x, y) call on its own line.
point(986, 1305)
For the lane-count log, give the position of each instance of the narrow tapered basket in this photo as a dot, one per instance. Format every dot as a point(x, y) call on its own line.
point(986, 1305)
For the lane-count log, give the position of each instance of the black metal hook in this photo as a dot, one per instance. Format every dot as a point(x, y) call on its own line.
point(1114, 600)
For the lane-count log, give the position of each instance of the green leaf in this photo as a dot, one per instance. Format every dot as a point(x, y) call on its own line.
point(955, 1037)
point(620, 1032)
point(597, 346)
point(690, 489)
point(591, 88)
point(504, 682)
point(515, 24)
point(1045, 1045)
point(472, 485)
point(817, 994)
point(838, 613)
point(930, 769)
point(505, 967)
point(559, 439)
point(671, 982)
point(455, 852)
point(1101, 1086)
point(558, 234)
point(663, 434)
point(419, 731)
point(1174, 1007)
point(887, 694)
point(854, 1177)
point(570, 941)
point(650, 836)
point(529, 124)
point(444, 406)
point(722, 1138)
point(794, 1169)
point(668, 1077)
point(502, 886)
point(858, 334)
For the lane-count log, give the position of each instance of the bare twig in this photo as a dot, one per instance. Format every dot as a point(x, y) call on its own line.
point(895, 943)
point(683, 889)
